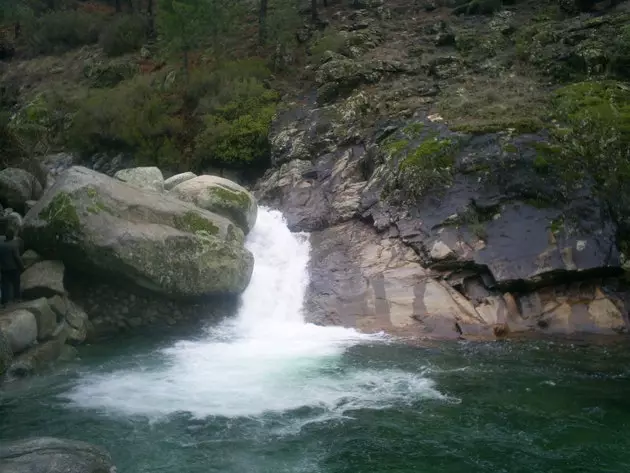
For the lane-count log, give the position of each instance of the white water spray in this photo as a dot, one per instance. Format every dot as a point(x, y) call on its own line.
point(266, 360)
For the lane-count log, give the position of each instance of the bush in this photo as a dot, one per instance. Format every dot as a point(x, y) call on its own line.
point(236, 127)
point(60, 31)
point(127, 33)
point(132, 117)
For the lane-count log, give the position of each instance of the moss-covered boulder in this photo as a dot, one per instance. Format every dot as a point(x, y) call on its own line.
point(221, 196)
point(100, 225)
point(149, 178)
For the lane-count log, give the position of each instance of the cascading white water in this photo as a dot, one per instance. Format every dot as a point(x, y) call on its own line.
point(265, 360)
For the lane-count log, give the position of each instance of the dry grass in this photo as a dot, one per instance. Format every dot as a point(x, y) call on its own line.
point(481, 104)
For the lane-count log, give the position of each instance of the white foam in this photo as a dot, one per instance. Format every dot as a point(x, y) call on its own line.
point(267, 359)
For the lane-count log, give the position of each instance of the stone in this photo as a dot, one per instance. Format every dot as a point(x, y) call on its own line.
point(18, 186)
point(76, 336)
point(28, 205)
point(20, 328)
point(606, 316)
point(314, 195)
point(43, 279)
point(146, 178)
point(440, 251)
point(44, 315)
point(59, 305)
point(178, 179)
point(221, 196)
point(39, 356)
point(78, 322)
point(104, 227)
point(6, 354)
point(29, 258)
point(53, 455)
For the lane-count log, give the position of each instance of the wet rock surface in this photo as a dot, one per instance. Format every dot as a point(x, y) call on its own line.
point(52, 455)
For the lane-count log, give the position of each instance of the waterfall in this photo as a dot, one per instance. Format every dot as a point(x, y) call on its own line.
point(265, 360)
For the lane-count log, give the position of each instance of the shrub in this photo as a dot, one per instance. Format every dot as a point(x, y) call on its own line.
point(132, 117)
point(127, 33)
point(60, 31)
point(236, 127)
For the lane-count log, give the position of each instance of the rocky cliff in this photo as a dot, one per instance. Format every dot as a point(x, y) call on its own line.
point(430, 160)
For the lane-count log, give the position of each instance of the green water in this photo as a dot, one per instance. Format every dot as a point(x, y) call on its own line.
point(505, 407)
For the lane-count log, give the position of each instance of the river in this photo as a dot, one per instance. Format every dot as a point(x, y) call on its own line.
point(266, 392)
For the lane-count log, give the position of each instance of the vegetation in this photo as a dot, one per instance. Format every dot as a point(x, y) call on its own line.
point(181, 105)
point(480, 105)
point(594, 134)
point(428, 167)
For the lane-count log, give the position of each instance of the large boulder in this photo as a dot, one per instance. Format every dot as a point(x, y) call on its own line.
point(221, 196)
point(18, 186)
point(148, 178)
point(20, 328)
point(6, 354)
point(44, 315)
point(178, 179)
point(102, 226)
point(43, 279)
point(52, 455)
point(40, 356)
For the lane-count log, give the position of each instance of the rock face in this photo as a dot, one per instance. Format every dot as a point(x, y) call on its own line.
point(43, 279)
point(101, 225)
point(178, 179)
point(18, 186)
point(220, 196)
point(52, 455)
point(148, 178)
point(481, 244)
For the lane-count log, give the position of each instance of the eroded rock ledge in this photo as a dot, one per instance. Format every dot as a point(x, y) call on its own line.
point(493, 249)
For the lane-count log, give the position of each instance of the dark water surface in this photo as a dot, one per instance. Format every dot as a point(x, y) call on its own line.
point(519, 406)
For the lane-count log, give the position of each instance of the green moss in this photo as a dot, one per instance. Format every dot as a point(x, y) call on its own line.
point(510, 148)
point(601, 101)
point(429, 166)
point(413, 130)
point(395, 147)
point(61, 215)
point(91, 192)
point(556, 225)
point(433, 151)
point(194, 223)
point(241, 199)
point(595, 134)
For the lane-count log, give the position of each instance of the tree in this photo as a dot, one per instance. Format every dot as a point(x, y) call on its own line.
point(16, 12)
point(262, 22)
point(182, 24)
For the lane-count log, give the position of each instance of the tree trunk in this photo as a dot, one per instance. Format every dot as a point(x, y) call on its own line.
point(186, 65)
point(314, 15)
point(262, 22)
point(17, 29)
point(151, 19)
point(118, 6)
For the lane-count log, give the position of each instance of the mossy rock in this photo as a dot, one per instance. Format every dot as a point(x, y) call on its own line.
point(220, 196)
point(105, 227)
